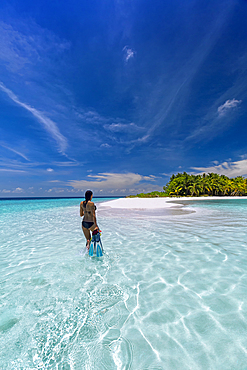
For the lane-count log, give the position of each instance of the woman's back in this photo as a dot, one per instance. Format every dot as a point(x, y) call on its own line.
point(88, 210)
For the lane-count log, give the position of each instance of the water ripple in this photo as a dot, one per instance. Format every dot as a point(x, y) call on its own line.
point(170, 292)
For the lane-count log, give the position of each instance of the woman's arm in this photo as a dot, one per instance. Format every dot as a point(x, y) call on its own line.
point(94, 215)
point(81, 209)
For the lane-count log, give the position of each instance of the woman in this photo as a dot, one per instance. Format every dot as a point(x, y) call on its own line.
point(87, 209)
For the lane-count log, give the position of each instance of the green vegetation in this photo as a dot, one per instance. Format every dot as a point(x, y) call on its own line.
point(212, 184)
point(153, 194)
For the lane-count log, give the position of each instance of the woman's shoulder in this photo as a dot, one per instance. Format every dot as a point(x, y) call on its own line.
point(90, 203)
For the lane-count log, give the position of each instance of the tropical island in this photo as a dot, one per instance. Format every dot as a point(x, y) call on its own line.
point(211, 184)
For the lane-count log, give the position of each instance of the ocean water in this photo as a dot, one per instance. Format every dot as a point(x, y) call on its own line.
point(169, 293)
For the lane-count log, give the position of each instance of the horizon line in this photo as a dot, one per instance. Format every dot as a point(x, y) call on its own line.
point(23, 198)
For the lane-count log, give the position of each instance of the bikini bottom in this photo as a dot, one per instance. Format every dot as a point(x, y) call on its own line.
point(87, 224)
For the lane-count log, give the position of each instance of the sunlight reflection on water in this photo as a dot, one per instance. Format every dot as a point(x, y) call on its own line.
point(169, 293)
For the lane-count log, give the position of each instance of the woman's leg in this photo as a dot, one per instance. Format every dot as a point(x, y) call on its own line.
point(87, 235)
point(93, 227)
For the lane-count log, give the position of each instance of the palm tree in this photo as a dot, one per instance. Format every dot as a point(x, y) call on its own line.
point(184, 184)
point(238, 186)
point(227, 187)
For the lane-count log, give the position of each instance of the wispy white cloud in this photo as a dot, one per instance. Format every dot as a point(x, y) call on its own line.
point(90, 117)
point(18, 190)
point(128, 53)
point(57, 102)
point(67, 164)
point(27, 55)
point(107, 181)
point(230, 169)
point(165, 109)
point(23, 44)
point(149, 178)
point(113, 126)
point(46, 122)
point(14, 151)
point(36, 168)
point(243, 156)
point(142, 139)
point(166, 174)
point(229, 105)
point(10, 170)
point(123, 127)
point(213, 122)
point(6, 191)
point(14, 48)
point(55, 190)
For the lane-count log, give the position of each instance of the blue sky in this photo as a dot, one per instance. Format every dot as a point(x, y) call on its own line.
point(116, 96)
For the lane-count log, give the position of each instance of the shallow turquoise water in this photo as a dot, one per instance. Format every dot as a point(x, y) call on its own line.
point(169, 293)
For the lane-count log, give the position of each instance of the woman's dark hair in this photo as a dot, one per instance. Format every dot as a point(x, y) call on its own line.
point(88, 195)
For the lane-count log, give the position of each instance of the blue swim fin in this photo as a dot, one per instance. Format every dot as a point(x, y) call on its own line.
point(99, 251)
point(91, 250)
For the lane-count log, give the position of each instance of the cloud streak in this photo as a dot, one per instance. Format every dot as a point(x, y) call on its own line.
point(213, 122)
point(19, 51)
point(229, 105)
point(46, 122)
point(128, 53)
point(123, 127)
point(14, 151)
point(107, 181)
point(18, 190)
point(172, 103)
point(10, 170)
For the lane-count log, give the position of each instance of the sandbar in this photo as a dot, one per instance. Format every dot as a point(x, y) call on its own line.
point(157, 203)
point(153, 207)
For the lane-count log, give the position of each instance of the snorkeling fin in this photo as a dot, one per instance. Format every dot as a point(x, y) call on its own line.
point(96, 245)
point(99, 251)
point(91, 250)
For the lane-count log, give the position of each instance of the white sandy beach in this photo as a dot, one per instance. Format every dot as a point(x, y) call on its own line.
point(155, 203)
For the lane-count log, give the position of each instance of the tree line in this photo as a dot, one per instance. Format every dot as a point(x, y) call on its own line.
point(211, 184)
